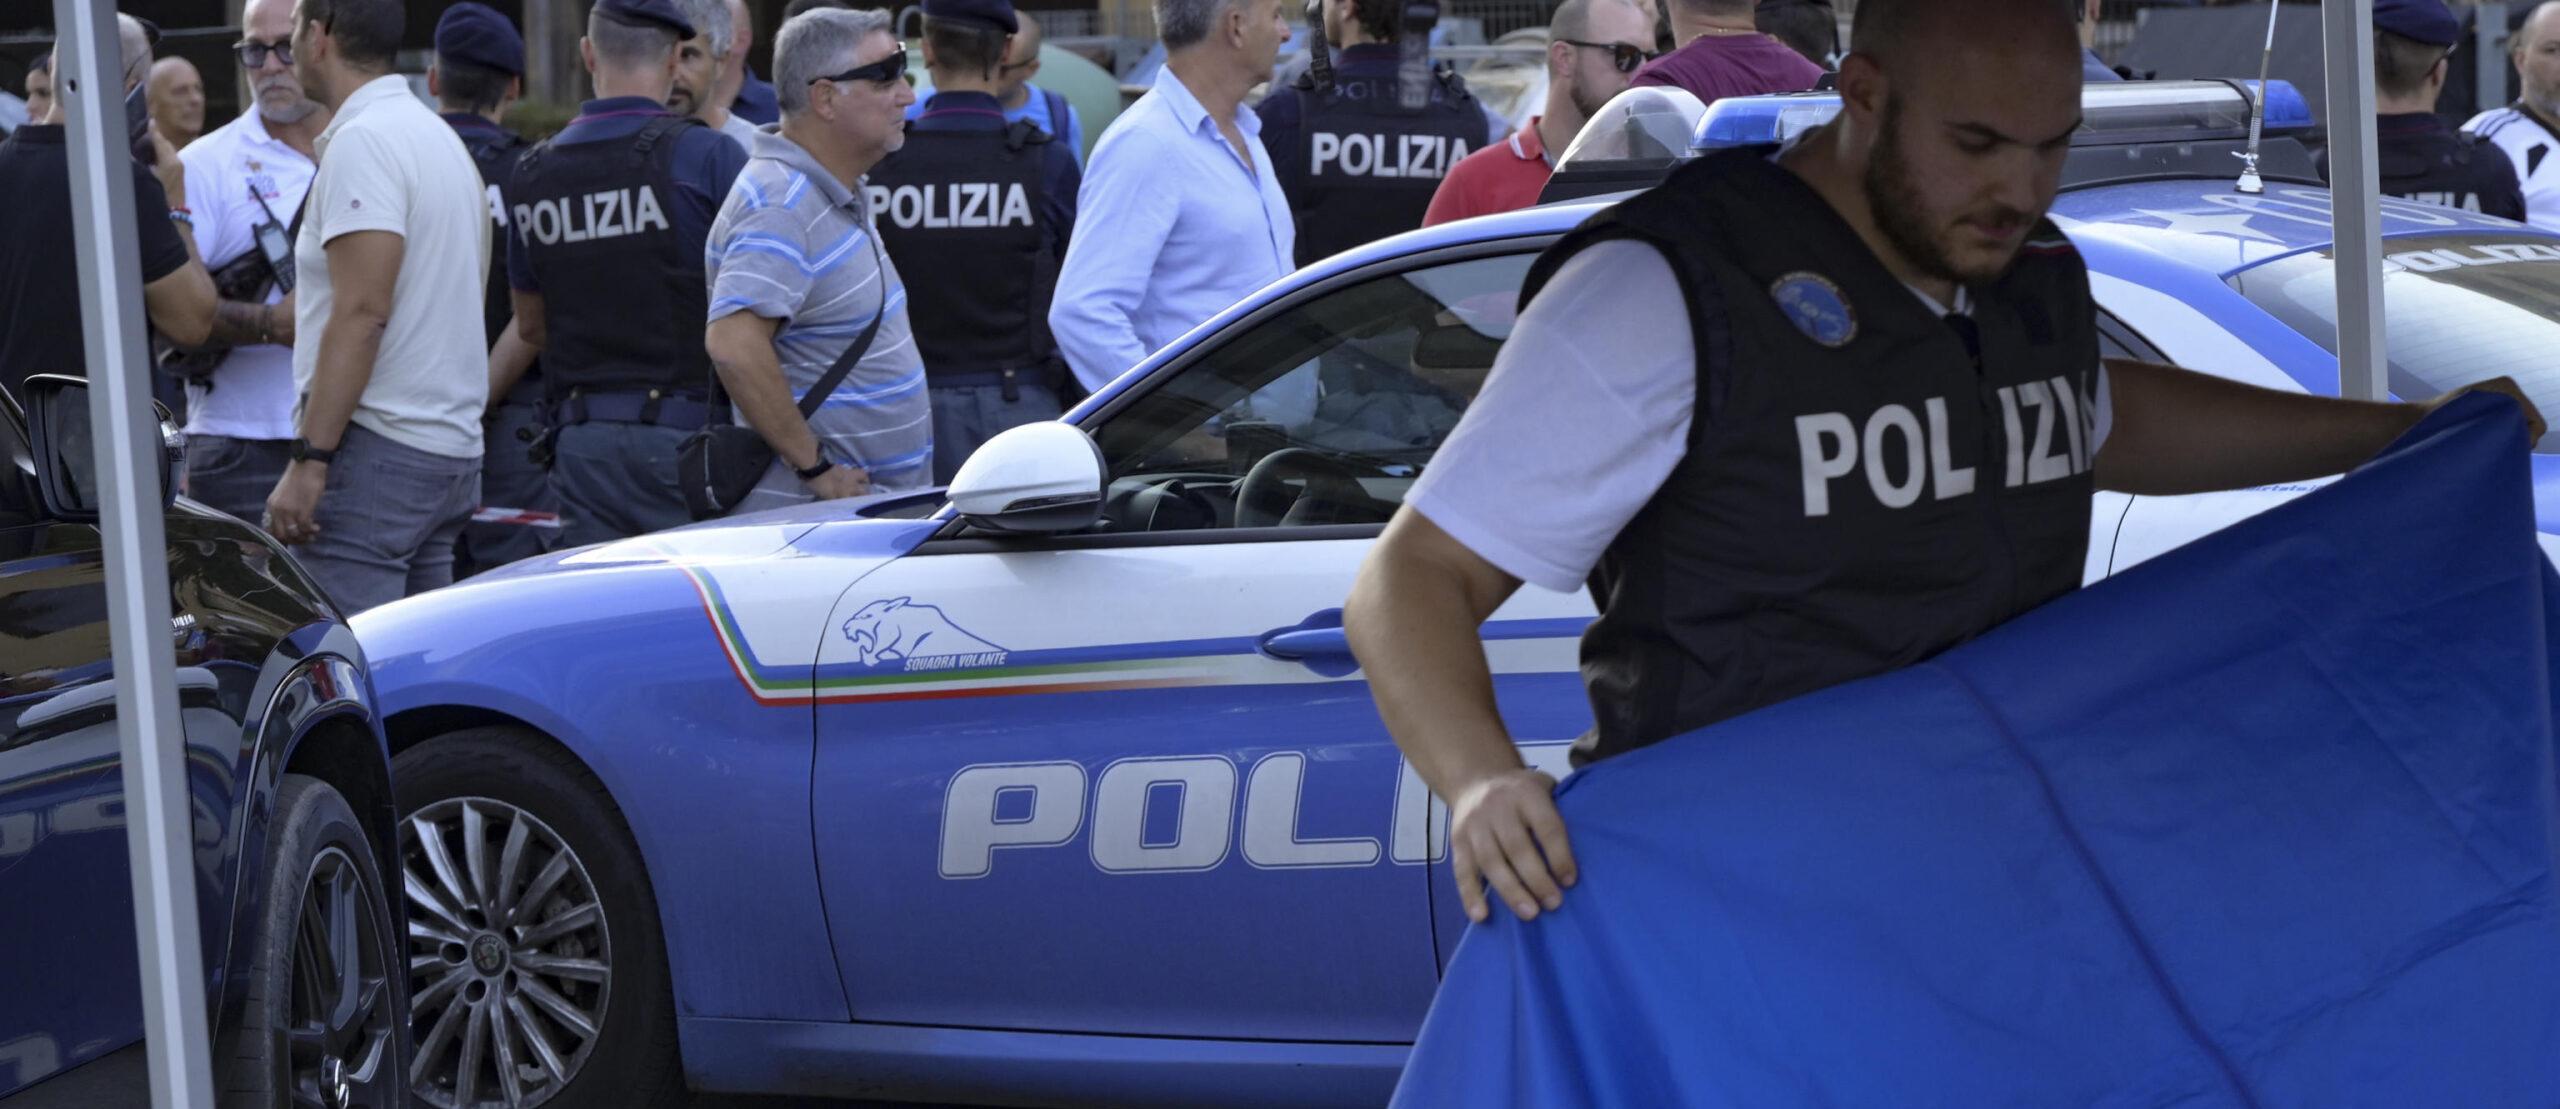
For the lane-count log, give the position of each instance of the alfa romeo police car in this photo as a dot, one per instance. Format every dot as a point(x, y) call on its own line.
point(1064, 787)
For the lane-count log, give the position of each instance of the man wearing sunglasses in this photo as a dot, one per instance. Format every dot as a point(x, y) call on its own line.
point(605, 255)
point(1357, 164)
point(245, 180)
point(1724, 53)
point(802, 295)
point(1593, 47)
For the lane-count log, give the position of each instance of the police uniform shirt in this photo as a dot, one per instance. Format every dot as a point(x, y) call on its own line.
point(2424, 159)
point(496, 149)
point(238, 175)
point(978, 111)
point(706, 164)
point(1375, 150)
point(2532, 145)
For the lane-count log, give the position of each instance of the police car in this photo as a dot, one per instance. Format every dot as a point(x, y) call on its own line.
point(1062, 786)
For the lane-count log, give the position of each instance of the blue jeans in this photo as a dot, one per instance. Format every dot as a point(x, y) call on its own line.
point(236, 475)
point(388, 521)
point(617, 480)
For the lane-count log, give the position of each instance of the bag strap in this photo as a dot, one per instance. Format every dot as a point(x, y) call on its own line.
point(826, 386)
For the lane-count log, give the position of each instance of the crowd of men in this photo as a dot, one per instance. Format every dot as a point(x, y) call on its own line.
point(711, 294)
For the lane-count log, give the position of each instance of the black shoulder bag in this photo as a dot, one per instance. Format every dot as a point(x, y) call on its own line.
point(720, 464)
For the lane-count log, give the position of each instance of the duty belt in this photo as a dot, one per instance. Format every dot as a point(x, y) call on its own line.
point(1009, 380)
point(684, 413)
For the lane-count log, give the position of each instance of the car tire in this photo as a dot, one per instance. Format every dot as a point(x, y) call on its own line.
point(314, 1029)
point(563, 946)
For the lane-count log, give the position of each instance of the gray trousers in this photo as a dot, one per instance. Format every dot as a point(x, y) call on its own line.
point(388, 521)
point(236, 475)
point(617, 480)
point(966, 416)
point(508, 479)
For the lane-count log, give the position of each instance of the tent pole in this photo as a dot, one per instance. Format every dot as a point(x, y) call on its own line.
point(2355, 186)
point(167, 930)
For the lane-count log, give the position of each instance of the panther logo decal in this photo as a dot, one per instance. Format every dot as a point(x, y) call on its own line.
point(900, 631)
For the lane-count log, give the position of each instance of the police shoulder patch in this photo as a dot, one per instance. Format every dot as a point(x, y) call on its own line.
point(1816, 307)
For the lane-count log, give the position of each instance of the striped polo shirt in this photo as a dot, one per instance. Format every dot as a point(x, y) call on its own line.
point(794, 244)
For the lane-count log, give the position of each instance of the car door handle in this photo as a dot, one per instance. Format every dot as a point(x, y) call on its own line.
point(1318, 643)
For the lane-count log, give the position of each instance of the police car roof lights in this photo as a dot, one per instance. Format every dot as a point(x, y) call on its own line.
point(2112, 114)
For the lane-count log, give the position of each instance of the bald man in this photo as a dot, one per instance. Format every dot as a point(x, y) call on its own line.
point(2529, 129)
point(176, 96)
point(1876, 436)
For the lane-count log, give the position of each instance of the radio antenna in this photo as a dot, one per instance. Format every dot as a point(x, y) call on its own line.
point(2250, 182)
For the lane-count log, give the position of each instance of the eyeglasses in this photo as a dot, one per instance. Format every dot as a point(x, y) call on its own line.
point(1627, 58)
point(253, 54)
point(884, 71)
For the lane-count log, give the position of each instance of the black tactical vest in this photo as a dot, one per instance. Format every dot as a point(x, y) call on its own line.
point(1866, 484)
point(622, 292)
point(496, 152)
point(2443, 166)
point(963, 214)
point(1367, 168)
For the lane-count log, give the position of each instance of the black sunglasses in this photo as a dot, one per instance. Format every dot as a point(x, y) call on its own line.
point(1627, 58)
point(884, 71)
point(253, 54)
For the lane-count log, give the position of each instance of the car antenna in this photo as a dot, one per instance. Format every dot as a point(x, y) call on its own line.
point(2250, 182)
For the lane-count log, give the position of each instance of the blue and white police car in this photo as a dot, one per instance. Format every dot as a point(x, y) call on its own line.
point(1063, 787)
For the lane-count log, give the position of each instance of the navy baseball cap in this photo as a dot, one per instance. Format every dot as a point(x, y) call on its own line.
point(642, 12)
point(993, 13)
point(478, 34)
point(2427, 21)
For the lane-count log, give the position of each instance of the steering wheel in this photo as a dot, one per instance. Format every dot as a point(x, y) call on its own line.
point(1264, 499)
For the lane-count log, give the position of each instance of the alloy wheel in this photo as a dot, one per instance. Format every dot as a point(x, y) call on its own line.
point(510, 959)
point(338, 1035)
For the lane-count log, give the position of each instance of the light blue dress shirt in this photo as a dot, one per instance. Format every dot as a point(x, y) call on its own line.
point(1184, 228)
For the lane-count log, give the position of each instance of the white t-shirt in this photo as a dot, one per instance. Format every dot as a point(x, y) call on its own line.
point(1583, 418)
point(387, 163)
point(231, 173)
point(2536, 154)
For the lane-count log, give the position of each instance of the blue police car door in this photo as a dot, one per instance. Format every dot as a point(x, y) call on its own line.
point(1131, 782)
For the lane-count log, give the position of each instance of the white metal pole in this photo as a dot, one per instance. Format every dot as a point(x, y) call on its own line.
point(2355, 190)
point(89, 81)
point(2489, 54)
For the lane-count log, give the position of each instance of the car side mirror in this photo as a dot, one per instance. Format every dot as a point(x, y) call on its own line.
point(1036, 479)
point(66, 457)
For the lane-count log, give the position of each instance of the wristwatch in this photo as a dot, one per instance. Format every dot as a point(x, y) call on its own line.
point(816, 469)
point(303, 451)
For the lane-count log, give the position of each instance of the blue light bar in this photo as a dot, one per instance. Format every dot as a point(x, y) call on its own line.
point(2113, 114)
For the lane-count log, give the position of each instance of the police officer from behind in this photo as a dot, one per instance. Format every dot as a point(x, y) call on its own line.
point(976, 212)
point(1361, 145)
point(1796, 417)
point(609, 221)
point(2423, 157)
point(476, 76)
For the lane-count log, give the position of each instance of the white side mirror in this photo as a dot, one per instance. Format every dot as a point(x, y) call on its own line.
point(1037, 478)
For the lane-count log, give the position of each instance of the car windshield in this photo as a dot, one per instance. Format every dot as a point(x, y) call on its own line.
point(2459, 309)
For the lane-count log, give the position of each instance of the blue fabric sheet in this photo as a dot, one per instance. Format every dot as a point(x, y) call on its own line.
point(2269, 820)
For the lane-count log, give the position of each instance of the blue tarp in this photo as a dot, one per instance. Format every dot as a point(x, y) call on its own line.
point(2269, 820)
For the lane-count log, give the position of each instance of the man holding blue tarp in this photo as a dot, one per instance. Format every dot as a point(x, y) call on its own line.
point(1877, 438)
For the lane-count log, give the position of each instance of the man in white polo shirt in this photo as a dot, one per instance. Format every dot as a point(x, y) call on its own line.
point(245, 180)
point(388, 358)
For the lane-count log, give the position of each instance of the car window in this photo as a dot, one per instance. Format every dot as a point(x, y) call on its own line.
point(2458, 309)
point(20, 504)
point(1320, 415)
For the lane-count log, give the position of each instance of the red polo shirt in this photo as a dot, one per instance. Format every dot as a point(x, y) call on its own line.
point(1504, 177)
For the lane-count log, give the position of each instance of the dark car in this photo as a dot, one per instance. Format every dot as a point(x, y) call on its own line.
point(289, 787)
